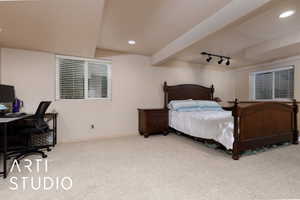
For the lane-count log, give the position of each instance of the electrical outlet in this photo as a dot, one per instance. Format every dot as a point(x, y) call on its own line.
point(92, 126)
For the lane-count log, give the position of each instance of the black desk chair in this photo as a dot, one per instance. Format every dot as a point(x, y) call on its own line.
point(32, 126)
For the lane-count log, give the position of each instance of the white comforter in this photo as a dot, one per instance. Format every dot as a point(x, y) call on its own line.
point(216, 125)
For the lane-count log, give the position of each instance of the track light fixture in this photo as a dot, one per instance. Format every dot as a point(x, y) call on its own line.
point(222, 58)
point(209, 59)
point(228, 62)
point(220, 61)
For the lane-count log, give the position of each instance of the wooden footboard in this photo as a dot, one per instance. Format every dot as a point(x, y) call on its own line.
point(263, 124)
point(255, 126)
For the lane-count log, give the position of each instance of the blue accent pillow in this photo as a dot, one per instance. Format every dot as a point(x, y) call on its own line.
point(199, 108)
point(174, 105)
point(194, 105)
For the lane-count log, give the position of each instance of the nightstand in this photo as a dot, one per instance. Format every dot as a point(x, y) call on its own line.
point(153, 121)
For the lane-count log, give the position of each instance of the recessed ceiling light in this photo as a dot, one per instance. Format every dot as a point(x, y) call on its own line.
point(287, 14)
point(131, 42)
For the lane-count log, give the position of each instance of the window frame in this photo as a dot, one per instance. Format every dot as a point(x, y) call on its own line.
point(253, 81)
point(86, 60)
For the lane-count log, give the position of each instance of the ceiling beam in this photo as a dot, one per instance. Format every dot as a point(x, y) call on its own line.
point(272, 45)
point(225, 16)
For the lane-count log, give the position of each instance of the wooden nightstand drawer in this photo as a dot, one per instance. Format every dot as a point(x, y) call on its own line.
point(153, 121)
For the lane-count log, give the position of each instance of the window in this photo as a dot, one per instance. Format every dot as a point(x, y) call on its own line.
point(79, 78)
point(274, 84)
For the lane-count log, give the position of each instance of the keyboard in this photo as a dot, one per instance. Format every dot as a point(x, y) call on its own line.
point(13, 115)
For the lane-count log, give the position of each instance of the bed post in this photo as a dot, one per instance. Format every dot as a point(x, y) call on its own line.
point(166, 95)
point(295, 113)
point(235, 150)
point(212, 92)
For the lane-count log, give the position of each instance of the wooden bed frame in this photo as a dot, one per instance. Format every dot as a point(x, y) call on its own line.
point(255, 126)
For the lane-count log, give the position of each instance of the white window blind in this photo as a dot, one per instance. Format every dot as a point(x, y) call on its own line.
point(274, 84)
point(263, 85)
point(83, 78)
point(97, 83)
point(71, 79)
point(284, 84)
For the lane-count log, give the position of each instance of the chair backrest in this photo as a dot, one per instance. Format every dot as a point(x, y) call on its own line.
point(41, 111)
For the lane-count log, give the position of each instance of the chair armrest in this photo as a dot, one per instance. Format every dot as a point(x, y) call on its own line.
point(36, 123)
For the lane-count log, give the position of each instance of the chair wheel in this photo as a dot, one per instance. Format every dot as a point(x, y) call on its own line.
point(49, 149)
point(44, 156)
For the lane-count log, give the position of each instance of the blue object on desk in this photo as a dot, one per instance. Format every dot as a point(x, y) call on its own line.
point(17, 105)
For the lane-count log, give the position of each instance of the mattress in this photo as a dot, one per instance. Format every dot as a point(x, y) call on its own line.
point(215, 125)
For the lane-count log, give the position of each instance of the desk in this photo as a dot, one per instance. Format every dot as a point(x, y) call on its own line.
point(4, 122)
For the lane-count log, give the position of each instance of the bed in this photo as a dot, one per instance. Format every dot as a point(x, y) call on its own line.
point(236, 128)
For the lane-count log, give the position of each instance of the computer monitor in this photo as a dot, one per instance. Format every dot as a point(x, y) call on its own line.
point(7, 94)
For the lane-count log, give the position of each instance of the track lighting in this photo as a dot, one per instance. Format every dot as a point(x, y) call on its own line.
point(228, 62)
point(209, 59)
point(222, 58)
point(220, 61)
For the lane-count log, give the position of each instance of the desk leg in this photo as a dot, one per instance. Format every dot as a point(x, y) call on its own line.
point(55, 129)
point(4, 150)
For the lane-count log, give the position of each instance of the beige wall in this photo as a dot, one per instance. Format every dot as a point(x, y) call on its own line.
point(135, 84)
point(0, 64)
point(242, 77)
point(222, 80)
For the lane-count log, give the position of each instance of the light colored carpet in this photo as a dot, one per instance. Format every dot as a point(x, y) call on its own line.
point(164, 168)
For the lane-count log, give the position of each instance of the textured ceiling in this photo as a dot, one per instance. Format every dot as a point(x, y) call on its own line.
point(60, 26)
point(77, 27)
point(152, 23)
point(251, 32)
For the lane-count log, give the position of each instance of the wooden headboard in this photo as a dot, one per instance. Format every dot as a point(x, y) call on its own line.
point(187, 91)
